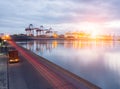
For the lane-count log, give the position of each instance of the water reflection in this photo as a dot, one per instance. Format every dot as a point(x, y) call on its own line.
point(96, 61)
point(49, 45)
point(88, 44)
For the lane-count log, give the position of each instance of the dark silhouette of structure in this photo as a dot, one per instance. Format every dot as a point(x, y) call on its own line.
point(30, 31)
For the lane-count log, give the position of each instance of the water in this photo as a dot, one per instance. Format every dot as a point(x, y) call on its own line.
point(95, 61)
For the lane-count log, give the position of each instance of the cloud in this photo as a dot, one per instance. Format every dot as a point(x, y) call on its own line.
point(19, 13)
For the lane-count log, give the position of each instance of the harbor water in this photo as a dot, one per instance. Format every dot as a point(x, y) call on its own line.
point(95, 61)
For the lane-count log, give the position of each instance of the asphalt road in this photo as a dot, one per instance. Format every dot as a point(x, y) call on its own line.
point(24, 76)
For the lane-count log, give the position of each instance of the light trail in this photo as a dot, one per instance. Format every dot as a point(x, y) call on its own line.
point(55, 80)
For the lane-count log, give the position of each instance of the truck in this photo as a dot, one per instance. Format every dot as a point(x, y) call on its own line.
point(13, 56)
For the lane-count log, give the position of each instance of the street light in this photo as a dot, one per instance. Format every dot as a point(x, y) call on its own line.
point(6, 37)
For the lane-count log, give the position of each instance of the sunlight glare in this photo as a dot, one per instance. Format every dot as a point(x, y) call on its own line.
point(90, 26)
point(94, 34)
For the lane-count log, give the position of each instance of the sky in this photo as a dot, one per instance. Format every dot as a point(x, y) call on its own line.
point(101, 16)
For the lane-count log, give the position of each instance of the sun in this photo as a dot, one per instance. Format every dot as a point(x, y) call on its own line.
point(92, 28)
point(94, 35)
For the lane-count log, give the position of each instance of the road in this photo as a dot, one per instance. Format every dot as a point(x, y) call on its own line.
point(23, 76)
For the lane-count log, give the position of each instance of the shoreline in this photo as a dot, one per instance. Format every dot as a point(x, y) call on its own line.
point(23, 38)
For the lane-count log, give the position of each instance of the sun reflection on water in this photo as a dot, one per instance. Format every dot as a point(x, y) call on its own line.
point(75, 44)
